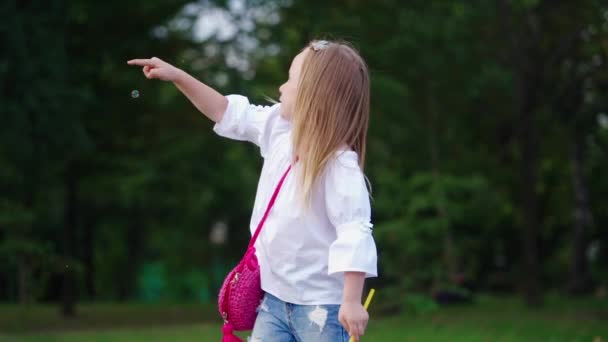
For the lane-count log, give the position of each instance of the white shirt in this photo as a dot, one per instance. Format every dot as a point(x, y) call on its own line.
point(303, 254)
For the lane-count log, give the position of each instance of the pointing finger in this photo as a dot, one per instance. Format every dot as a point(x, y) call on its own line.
point(141, 62)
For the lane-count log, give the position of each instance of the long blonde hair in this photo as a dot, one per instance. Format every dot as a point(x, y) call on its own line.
point(331, 109)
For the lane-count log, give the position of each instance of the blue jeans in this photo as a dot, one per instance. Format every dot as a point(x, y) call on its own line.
point(279, 321)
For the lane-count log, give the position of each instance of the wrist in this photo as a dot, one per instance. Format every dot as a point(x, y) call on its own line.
point(353, 287)
point(351, 301)
point(179, 76)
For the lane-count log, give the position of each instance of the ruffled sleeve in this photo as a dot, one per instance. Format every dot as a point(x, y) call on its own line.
point(247, 122)
point(348, 209)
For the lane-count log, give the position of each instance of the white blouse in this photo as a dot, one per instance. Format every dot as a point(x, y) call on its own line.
point(303, 254)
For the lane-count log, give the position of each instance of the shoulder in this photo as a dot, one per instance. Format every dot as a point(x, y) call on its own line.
point(347, 159)
point(345, 190)
point(344, 175)
point(241, 104)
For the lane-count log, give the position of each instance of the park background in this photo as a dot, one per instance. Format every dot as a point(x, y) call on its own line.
point(121, 211)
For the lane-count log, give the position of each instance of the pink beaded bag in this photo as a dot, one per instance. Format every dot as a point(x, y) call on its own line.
point(241, 292)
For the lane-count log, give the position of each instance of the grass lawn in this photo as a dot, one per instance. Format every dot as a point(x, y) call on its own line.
point(490, 319)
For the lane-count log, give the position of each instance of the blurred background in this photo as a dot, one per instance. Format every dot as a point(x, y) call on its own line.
point(121, 211)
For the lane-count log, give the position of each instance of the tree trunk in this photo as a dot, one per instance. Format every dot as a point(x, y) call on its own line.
point(68, 295)
point(528, 71)
point(529, 165)
point(88, 257)
point(22, 282)
point(135, 243)
point(580, 278)
point(450, 259)
point(23, 265)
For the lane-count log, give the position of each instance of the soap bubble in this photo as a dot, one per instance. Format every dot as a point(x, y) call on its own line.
point(135, 94)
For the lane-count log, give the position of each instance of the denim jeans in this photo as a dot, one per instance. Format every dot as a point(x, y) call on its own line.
point(279, 321)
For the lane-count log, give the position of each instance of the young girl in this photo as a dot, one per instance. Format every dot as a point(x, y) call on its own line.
point(316, 247)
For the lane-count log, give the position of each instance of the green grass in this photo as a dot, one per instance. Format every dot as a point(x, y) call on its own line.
point(490, 319)
point(99, 316)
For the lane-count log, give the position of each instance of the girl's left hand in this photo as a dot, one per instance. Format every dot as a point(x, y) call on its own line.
point(157, 68)
point(354, 318)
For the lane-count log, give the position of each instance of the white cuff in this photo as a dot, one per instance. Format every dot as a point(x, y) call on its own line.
point(232, 124)
point(354, 250)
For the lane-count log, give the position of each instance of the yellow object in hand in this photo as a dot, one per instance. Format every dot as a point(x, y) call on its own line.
point(368, 300)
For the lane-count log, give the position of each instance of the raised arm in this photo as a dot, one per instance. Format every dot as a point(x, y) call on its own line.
point(206, 99)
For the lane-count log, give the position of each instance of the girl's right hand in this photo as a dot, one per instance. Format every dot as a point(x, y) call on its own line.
point(157, 68)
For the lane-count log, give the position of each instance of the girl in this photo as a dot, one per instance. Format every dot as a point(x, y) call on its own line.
point(316, 247)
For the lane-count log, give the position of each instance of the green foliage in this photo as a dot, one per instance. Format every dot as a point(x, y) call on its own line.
point(154, 285)
point(33, 262)
point(126, 190)
point(420, 304)
point(414, 238)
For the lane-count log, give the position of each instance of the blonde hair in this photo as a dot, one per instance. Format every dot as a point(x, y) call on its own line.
point(331, 109)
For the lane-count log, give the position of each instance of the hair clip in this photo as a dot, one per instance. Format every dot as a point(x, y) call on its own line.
point(319, 45)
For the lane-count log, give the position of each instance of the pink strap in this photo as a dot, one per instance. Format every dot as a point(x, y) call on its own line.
point(250, 248)
point(270, 204)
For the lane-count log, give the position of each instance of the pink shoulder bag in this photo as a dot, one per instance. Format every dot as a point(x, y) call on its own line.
point(241, 292)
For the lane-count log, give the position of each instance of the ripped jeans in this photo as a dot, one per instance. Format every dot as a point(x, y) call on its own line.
point(279, 321)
